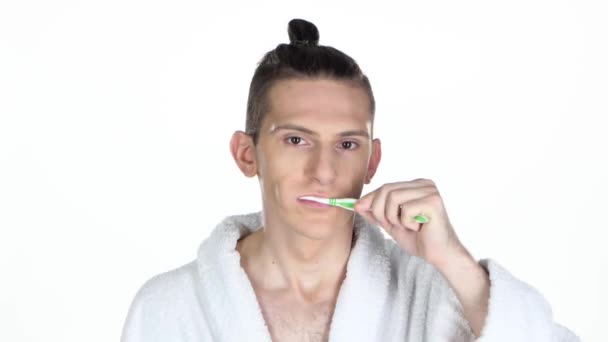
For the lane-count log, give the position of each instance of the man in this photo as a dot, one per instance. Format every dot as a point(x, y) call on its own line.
point(301, 271)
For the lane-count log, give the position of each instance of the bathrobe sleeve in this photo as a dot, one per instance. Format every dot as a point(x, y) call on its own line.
point(518, 312)
point(149, 317)
point(166, 309)
point(142, 322)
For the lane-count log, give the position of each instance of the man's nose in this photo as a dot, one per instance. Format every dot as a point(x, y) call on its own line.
point(323, 166)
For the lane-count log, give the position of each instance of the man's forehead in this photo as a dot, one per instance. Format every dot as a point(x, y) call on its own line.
point(318, 107)
point(319, 96)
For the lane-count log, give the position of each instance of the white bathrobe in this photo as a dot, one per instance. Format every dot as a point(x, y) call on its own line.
point(387, 295)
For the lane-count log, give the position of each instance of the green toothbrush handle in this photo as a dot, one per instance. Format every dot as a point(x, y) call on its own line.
point(421, 219)
point(349, 204)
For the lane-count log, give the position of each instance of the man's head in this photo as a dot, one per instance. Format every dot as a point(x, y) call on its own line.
point(303, 58)
point(308, 132)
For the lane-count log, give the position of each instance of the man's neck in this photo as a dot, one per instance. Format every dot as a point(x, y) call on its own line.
point(278, 260)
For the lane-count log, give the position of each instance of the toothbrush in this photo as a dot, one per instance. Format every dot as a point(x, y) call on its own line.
point(349, 204)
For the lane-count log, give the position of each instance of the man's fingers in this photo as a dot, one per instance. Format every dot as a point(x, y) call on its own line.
point(365, 202)
point(382, 205)
point(404, 198)
point(415, 207)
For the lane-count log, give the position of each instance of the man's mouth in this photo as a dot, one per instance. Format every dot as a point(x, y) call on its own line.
point(313, 204)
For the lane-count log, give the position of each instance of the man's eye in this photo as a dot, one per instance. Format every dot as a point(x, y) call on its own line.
point(349, 145)
point(294, 140)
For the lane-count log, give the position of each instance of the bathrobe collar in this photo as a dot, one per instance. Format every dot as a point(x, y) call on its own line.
point(232, 309)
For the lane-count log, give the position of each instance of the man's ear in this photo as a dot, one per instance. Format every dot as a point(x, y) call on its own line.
point(374, 160)
point(243, 152)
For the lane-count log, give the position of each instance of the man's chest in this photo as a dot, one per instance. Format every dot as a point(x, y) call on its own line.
point(288, 321)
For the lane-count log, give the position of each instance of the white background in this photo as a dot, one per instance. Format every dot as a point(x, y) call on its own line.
point(116, 116)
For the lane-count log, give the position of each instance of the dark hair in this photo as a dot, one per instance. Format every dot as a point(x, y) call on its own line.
point(301, 58)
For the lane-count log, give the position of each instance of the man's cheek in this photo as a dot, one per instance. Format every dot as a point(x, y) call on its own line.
point(356, 181)
point(280, 182)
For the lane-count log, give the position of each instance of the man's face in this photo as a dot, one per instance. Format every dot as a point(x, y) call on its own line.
point(315, 141)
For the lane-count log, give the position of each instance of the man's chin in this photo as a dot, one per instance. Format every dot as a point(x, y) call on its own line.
point(320, 227)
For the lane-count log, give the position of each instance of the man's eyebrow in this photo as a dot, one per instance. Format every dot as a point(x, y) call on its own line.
point(292, 127)
point(361, 133)
point(302, 129)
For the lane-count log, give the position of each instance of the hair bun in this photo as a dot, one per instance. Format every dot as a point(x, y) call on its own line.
point(302, 32)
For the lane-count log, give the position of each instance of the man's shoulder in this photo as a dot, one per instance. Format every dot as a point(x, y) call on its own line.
point(164, 306)
point(168, 287)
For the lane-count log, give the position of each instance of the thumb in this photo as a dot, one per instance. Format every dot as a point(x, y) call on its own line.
point(364, 203)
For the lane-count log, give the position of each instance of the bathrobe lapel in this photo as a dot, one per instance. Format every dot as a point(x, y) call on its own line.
point(232, 309)
point(364, 293)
